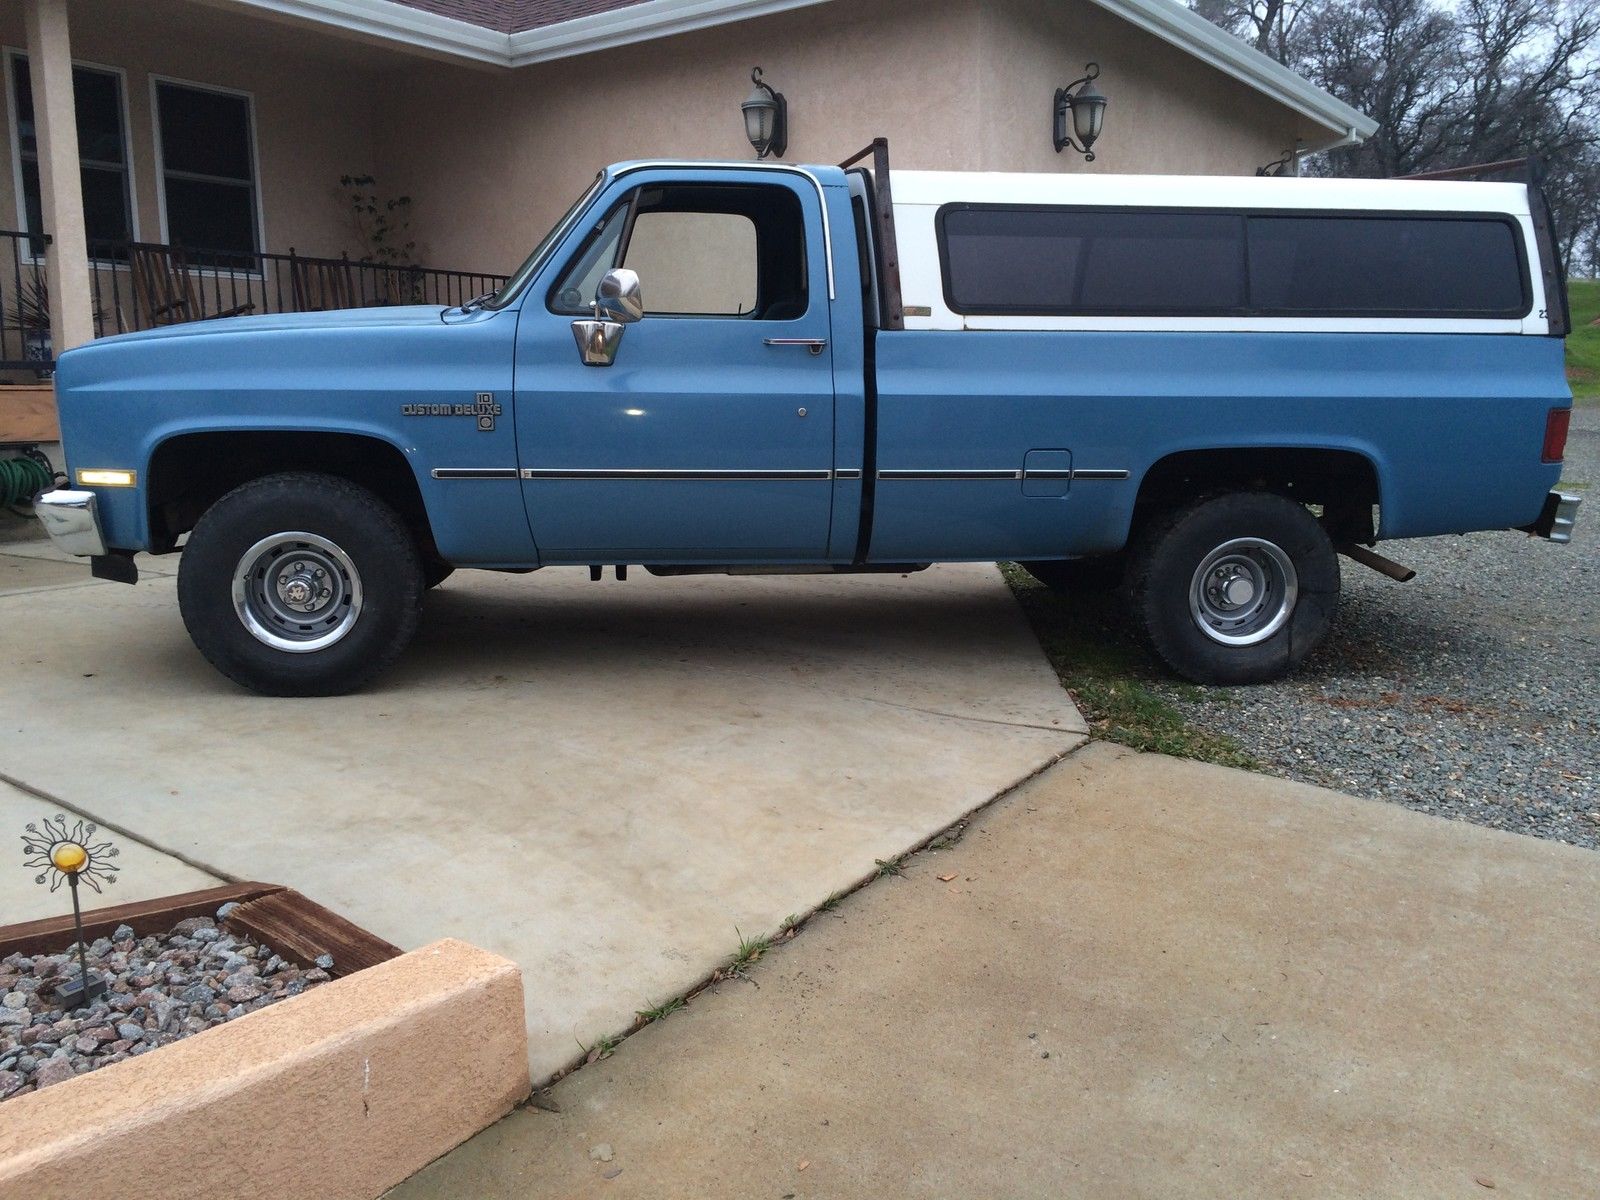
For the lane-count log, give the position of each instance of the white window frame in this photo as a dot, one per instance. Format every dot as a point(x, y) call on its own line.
point(255, 169)
point(12, 53)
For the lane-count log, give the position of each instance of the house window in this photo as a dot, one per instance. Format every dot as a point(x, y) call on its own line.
point(208, 179)
point(102, 158)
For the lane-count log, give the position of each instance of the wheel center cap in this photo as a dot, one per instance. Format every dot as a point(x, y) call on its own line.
point(1239, 591)
point(299, 591)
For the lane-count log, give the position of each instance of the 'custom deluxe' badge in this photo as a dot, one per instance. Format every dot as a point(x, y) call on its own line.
point(483, 408)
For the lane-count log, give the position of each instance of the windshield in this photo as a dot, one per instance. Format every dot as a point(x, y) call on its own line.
point(535, 260)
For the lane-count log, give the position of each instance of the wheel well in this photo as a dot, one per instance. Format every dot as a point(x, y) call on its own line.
point(191, 472)
point(1343, 482)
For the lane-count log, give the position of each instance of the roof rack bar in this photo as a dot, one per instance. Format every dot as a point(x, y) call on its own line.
point(1504, 166)
point(865, 152)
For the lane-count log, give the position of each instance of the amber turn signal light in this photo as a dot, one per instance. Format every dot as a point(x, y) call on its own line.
point(106, 477)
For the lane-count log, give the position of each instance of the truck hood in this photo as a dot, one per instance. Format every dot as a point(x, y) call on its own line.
point(350, 318)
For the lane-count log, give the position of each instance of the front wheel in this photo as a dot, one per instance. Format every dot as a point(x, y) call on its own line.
point(300, 585)
point(1235, 589)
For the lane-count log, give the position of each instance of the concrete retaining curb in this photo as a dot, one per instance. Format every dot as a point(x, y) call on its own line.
point(338, 1093)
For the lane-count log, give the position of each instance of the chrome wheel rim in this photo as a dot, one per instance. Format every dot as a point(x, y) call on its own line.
point(297, 592)
point(1243, 592)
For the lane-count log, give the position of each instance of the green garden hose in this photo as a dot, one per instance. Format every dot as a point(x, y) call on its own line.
point(21, 479)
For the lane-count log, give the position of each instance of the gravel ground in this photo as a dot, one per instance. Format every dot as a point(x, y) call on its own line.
point(161, 989)
point(1471, 692)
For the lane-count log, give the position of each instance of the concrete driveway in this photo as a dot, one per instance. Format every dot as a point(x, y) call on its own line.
point(604, 782)
point(1133, 978)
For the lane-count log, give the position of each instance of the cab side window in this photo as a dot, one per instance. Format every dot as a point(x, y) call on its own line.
point(735, 251)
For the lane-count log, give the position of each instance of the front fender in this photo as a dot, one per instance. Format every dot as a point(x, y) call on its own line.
point(123, 399)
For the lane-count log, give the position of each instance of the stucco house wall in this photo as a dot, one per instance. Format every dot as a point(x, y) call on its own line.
point(953, 84)
point(493, 164)
point(1167, 113)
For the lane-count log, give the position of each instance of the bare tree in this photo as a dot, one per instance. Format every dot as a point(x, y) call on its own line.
point(1398, 61)
point(1268, 25)
point(1452, 83)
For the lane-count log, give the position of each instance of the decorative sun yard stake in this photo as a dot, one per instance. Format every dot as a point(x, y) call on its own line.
point(69, 854)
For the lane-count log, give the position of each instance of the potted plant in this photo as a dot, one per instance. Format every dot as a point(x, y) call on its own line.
point(31, 318)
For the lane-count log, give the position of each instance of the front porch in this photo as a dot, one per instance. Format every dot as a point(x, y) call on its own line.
point(175, 161)
point(146, 285)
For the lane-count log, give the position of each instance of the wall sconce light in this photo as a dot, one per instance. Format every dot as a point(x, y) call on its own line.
point(1085, 107)
point(766, 118)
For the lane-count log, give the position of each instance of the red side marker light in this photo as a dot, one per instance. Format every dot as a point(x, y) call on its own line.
point(1555, 434)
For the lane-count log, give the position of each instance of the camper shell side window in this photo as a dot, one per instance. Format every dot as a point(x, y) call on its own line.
point(1021, 260)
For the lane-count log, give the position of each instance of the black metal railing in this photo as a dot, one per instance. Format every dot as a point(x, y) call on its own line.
point(24, 304)
point(144, 285)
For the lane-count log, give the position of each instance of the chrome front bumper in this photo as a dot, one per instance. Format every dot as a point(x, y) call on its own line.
point(72, 520)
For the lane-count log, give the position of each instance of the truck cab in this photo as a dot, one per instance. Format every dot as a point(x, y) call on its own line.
point(710, 367)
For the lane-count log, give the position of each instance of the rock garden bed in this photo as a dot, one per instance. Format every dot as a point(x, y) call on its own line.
point(172, 968)
point(159, 988)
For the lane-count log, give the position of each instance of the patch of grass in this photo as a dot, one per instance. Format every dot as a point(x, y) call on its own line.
point(749, 951)
point(1110, 677)
point(1583, 344)
point(889, 866)
point(831, 903)
point(660, 1011)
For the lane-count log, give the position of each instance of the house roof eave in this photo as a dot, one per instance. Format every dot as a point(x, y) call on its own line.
point(449, 36)
point(392, 22)
point(636, 23)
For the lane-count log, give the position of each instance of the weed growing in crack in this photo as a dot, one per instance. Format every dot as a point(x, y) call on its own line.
point(660, 1011)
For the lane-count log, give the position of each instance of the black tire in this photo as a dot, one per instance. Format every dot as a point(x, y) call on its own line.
point(383, 596)
point(1103, 573)
point(435, 571)
point(1174, 605)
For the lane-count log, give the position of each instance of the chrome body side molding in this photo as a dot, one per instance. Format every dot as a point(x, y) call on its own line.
point(655, 473)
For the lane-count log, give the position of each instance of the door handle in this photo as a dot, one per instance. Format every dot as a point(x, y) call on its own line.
point(815, 345)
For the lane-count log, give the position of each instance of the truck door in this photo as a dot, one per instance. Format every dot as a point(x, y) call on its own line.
point(710, 436)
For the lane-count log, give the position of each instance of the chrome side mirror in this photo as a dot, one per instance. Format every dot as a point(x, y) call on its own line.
point(619, 297)
point(618, 303)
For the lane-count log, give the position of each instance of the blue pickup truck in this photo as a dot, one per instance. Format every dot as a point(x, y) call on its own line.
point(1200, 390)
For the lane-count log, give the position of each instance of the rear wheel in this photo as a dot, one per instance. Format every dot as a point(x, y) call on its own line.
point(1235, 589)
point(300, 585)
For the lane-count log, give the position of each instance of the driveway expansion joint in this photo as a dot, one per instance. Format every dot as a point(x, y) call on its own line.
point(120, 830)
point(1064, 730)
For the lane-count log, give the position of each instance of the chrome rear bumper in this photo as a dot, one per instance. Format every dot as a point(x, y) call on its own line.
point(1559, 515)
point(72, 520)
